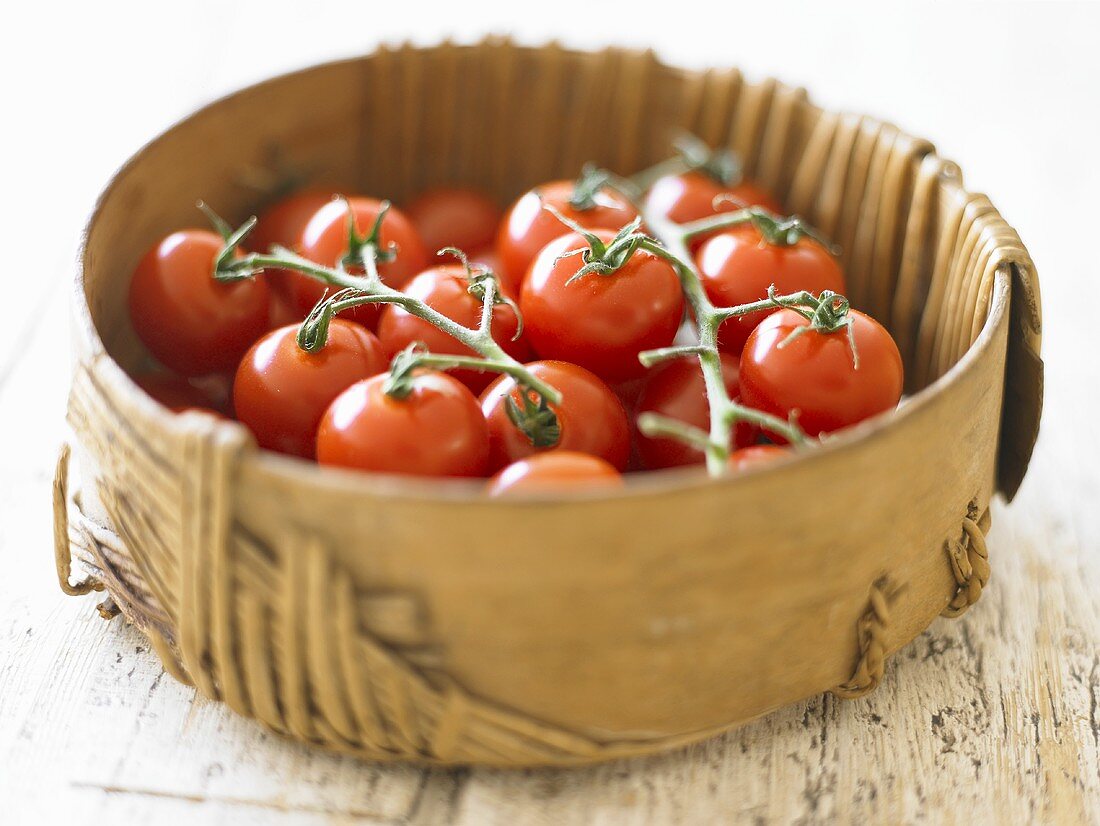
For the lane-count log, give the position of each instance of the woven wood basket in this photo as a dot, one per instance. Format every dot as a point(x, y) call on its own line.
point(402, 620)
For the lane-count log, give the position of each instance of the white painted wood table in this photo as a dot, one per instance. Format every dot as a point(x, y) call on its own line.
point(991, 718)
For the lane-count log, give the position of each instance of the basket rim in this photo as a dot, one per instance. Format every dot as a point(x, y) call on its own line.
point(410, 488)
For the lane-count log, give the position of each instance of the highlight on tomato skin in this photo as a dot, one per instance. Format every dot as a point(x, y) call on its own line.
point(590, 415)
point(460, 217)
point(528, 227)
point(737, 266)
point(558, 471)
point(445, 288)
point(600, 322)
point(756, 456)
point(436, 430)
point(192, 324)
point(676, 389)
point(281, 391)
point(816, 373)
point(325, 240)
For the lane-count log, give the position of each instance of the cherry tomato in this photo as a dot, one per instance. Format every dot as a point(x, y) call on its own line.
point(176, 393)
point(325, 240)
point(191, 323)
point(755, 456)
point(453, 217)
point(676, 389)
point(600, 322)
point(282, 311)
point(437, 430)
point(690, 196)
point(737, 266)
point(445, 289)
point(283, 223)
point(815, 374)
point(281, 391)
point(591, 417)
point(527, 227)
point(555, 472)
point(489, 259)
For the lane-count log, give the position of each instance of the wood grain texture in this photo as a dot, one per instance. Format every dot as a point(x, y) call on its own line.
point(992, 718)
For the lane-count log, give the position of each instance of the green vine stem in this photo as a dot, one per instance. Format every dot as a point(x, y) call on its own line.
point(354, 290)
point(725, 413)
point(670, 241)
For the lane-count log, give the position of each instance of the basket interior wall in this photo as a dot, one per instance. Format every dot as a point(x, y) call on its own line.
point(504, 117)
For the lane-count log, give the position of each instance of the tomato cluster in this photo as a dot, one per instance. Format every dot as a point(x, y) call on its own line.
point(564, 288)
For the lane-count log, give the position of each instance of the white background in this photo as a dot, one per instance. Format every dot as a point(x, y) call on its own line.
point(1009, 90)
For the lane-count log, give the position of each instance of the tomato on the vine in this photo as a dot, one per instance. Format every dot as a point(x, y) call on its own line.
point(283, 223)
point(817, 375)
point(555, 472)
point(455, 217)
point(598, 321)
point(676, 389)
point(325, 241)
point(528, 227)
point(590, 417)
point(755, 456)
point(190, 322)
point(435, 430)
point(281, 391)
point(446, 289)
point(737, 266)
point(690, 196)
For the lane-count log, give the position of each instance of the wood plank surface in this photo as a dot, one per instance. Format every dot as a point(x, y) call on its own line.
point(992, 718)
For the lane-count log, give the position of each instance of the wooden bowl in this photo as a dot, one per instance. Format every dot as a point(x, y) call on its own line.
point(403, 620)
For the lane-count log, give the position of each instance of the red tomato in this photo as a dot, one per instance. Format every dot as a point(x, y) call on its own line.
point(437, 430)
point(814, 373)
point(600, 322)
point(445, 289)
point(737, 266)
point(690, 196)
point(283, 223)
point(555, 472)
point(527, 227)
point(755, 455)
point(489, 259)
point(325, 240)
point(453, 217)
point(282, 311)
point(281, 391)
point(191, 323)
point(591, 417)
point(676, 389)
point(176, 393)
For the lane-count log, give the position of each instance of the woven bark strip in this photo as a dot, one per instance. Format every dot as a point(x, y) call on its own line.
point(403, 620)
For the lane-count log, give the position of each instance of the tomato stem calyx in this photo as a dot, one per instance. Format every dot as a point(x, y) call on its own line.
point(588, 189)
point(484, 285)
point(600, 257)
point(358, 244)
point(721, 165)
point(830, 314)
point(775, 230)
point(535, 420)
point(227, 264)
